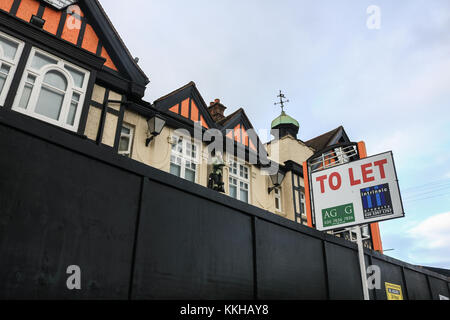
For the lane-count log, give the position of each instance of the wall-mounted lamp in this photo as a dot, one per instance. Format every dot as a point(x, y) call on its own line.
point(277, 179)
point(155, 126)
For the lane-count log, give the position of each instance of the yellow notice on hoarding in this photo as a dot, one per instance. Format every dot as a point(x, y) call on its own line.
point(393, 291)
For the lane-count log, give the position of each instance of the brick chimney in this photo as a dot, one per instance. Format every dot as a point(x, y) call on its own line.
point(216, 110)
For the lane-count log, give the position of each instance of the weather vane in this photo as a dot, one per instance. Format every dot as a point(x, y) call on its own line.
point(282, 102)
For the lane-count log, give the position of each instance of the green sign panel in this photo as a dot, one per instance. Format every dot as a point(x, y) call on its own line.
point(338, 215)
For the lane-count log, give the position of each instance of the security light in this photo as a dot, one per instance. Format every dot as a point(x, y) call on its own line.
point(155, 126)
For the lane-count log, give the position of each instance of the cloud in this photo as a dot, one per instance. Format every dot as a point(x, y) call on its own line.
point(433, 233)
point(425, 242)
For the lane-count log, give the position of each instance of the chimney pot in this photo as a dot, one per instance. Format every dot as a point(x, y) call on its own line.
point(216, 109)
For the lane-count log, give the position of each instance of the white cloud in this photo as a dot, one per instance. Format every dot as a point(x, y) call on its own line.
point(433, 233)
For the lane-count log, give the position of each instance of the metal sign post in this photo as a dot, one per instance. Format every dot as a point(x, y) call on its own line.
point(362, 262)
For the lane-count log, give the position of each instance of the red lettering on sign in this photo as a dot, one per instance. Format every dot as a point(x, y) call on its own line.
point(339, 181)
point(366, 171)
point(380, 164)
point(353, 182)
point(322, 179)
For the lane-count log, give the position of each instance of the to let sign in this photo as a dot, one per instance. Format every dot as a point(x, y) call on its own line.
point(355, 193)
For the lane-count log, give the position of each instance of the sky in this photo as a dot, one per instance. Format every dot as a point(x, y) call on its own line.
point(384, 75)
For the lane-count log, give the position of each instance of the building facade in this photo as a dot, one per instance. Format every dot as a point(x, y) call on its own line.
point(64, 64)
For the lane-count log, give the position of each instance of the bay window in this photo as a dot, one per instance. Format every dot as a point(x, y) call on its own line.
point(10, 51)
point(52, 90)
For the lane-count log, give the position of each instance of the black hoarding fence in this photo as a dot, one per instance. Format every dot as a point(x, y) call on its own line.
point(138, 233)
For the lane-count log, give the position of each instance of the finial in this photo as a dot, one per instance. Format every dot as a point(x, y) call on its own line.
point(282, 102)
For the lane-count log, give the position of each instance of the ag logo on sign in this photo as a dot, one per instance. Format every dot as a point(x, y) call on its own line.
point(338, 215)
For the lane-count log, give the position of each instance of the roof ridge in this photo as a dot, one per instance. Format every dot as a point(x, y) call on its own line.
point(190, 83)
point(326, 133)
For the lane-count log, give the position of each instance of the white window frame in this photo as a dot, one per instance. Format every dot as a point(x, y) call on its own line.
point(130, 137)
point(240, 172)
point(180, 158)
point(37, 85)
point(302, 204)
point(277, 196)
point(11, 63)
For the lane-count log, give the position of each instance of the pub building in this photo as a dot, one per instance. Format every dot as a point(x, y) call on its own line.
point(63, 63)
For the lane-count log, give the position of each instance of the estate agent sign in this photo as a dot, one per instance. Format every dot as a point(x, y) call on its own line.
point(355, 193)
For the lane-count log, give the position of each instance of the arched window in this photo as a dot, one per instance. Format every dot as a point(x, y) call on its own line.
point(52, 90)
point(51, 95)
point(10, 51)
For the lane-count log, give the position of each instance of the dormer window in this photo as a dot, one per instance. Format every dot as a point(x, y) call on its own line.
point(52, 90)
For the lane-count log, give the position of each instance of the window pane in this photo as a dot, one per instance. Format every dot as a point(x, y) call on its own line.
point(76, 97)
point(25, 96)
point(189, 175)
point(78, 77)
point(5, 69)
point(40, 61)
point(277, 203)
point(126, 130)
point(9, 48)
point(56, 79)
point(244, 195)
point(233, 192)
point(2, 82)
point(175, 170)
point(26, 93)
point(124, 143)
point(72, 113)
point(49, 103)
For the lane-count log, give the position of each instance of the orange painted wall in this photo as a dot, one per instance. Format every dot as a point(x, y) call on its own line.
point(185, 108)
point(109, 63)
point(90, 39)
point(174, 109)
point(237, 133)
point(27, 8)
point(52, 18)
point(6, 4)
point(194, 111)
point(70, 33)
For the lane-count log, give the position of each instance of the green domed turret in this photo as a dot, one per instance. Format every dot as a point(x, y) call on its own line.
point(285, 124)
point(284, 119)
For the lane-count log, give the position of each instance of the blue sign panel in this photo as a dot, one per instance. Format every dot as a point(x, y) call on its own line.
point(376, 201)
